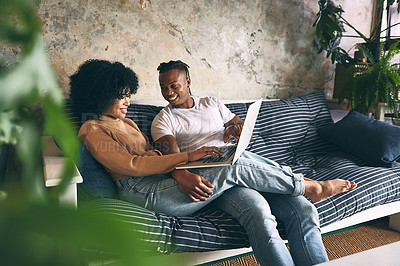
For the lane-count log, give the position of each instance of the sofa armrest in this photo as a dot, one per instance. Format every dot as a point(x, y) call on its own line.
point(53, 166)
point(53, 163)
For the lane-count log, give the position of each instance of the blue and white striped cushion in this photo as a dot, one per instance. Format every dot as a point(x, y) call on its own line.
point(375, 185)
point(287, 128)
point(206, 230)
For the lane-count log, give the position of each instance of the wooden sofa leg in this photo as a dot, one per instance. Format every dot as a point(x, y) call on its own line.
point(394, 222)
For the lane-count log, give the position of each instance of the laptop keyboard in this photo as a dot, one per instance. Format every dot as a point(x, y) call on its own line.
point(228, 151)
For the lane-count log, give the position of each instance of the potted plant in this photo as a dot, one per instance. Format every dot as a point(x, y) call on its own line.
point(33, 228)
point(371, 82)
point(329, 28)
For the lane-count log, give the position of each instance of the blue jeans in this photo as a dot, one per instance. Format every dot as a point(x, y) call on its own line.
point(161, 194)
point(256, 214)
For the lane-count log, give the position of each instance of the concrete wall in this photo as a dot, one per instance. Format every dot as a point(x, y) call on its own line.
point(236, 49)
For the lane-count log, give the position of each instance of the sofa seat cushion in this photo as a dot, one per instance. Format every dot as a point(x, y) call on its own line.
point(375, 185)
point(209, 229)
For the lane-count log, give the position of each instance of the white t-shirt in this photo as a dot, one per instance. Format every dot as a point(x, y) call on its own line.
point(201, 125)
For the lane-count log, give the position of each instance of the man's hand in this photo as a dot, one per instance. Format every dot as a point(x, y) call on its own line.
point(233, 131)
point(195, 187)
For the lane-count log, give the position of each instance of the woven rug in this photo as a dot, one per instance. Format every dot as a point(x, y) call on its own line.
point(339, 244)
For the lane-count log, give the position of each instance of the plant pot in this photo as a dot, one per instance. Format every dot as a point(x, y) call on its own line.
point(374, 48)
point(396, 121)
point(337, 89)
point(388, 43)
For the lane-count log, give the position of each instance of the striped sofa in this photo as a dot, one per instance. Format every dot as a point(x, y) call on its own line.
point(286, 131)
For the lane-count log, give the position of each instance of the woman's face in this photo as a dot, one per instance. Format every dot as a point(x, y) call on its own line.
point(118, 108)
point(175, 88)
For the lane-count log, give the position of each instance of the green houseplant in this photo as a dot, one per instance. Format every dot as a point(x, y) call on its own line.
point(33, 228)
point(330, 28)
point(367, 84)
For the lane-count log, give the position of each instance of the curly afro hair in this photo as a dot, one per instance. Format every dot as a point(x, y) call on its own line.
point(97, 83)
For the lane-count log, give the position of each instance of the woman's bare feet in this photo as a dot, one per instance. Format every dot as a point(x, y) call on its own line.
point(319, 190)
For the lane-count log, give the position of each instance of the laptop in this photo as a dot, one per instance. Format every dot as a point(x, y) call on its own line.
point(232, 152)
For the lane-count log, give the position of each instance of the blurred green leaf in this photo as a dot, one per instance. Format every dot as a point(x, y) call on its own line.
point(32, 73)
point(58, 126)
point(9, 128)
point(44, 230)
point(34, 229)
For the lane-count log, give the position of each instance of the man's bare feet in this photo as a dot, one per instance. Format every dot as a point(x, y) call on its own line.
point(319, 190)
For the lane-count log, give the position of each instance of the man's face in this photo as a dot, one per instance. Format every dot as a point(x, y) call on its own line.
point(175, 88)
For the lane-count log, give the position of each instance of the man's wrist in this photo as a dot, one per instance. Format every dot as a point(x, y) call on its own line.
point(231, 124)
point(177, 172)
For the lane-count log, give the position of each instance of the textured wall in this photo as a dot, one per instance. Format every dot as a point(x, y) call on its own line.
point(236, 49)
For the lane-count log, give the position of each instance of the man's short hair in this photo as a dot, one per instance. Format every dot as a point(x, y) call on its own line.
point(165, 67)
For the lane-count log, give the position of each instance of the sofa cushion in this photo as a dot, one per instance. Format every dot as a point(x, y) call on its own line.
point(143, 115)
point(286, 129)
point(375, 141)
point(375, 185)
point(97, 183)
point(208, 229)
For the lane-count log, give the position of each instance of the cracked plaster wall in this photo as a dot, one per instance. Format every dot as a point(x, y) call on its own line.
point(236, 49)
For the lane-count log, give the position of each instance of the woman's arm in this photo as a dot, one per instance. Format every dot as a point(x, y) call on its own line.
point(122, 164)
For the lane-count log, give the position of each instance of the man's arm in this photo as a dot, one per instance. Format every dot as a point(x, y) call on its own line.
point(233, 129)
point(193, 186)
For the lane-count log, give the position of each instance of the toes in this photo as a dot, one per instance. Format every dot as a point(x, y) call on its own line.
point(350, 185)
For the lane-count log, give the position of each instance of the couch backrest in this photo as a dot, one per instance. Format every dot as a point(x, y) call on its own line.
point(284, 128)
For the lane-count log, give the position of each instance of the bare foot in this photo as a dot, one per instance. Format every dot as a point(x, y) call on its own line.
point(319, 190)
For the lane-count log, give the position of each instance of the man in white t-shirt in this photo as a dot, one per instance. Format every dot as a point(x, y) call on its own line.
point(189, 122)
point(202, 125)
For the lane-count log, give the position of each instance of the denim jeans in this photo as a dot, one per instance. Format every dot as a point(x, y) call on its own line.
point(161, 194)
point(256, 214)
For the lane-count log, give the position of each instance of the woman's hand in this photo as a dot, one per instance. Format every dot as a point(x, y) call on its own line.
point(204, 151)
point(233, 131)
point(193, 186)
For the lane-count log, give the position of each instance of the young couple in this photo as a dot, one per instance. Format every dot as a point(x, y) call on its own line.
point(254, 190)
